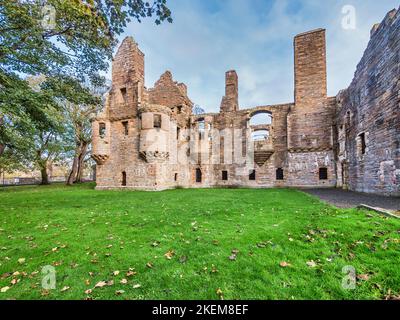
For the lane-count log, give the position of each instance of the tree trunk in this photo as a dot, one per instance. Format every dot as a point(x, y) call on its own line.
point(81, 160)
point(45, 176)
point(2, 146)
point(72, 175)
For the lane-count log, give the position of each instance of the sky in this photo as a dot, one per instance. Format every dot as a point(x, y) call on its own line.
point(255, 38)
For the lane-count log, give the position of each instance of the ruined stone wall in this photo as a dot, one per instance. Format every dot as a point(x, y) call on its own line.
point(310, 121)
point(149, 139)
point(369, 116)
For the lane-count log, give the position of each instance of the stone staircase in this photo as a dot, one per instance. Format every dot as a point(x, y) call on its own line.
point(261, 157)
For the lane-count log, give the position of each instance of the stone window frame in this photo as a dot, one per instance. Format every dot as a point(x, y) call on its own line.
point(201, 127)
point(157, 120)
point(280, 174)
point(252, 175)
point(361, 145)
point(323, 174)
point(124, 95)
point(102, 130)
point(125, 125)
point(124, 179)
point(198, 175)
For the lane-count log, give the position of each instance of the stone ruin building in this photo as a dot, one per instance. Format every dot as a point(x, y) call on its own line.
point(149, 139)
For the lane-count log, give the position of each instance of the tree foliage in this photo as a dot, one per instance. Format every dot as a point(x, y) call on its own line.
point(69, 42)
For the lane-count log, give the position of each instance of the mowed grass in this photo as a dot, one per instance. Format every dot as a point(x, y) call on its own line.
point(88, 235)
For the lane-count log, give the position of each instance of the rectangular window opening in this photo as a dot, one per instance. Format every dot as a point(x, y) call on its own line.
point(102, 130)
point(279, 174)
point(224, 175)
point(323, 173)
point(124, 95)
point(363, 145)
point(124, 179)
point(252, 175)
point(198, 175)
point(126, 127)
point(157, 120)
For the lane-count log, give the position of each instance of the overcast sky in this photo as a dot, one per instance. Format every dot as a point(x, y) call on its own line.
point(254, 37)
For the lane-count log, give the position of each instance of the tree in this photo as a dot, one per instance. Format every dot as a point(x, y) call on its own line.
point(79, 117)
point(69, 42)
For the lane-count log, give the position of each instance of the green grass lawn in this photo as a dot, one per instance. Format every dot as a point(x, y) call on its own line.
point(191, 244)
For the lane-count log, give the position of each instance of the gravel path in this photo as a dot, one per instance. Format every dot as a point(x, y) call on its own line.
point(349, 199)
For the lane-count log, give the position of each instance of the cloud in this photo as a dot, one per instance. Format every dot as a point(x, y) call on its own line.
point(255, 38)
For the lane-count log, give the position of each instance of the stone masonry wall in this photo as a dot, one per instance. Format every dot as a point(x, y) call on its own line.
point(369, 110)
point(149, 139)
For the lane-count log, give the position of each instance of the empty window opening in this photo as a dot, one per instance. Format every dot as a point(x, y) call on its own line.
point(157, 121)
point(126, 127)
point(102, 130)
point(323, 173)
point(178, 131)
point(124, 179)
point(198, 175)
point(363, 145)
point(348, 119)
point(261, 118)
point(124, 95)
point(224, 175)
point(260, 135)
point(279, 174)
point(179, 109)
point(201, 124)
point(252, 175)
point(176, 177)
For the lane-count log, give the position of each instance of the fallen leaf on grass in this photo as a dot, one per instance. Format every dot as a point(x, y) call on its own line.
point(285, 264)
point(311, 264)
point(364, 277)
point(65, 289)
point(102, 284)
point(119, 292)
point(391, 296)
point(149, 265)
point(131, 272)
point(5, 275)
point(4, 289)
point(15, 281)
point(21, 260)
point(136, 286)
point(88, 291)
point(220, 294)
point(123, 281)
point(115, 273)
point(169, 254)
point(155, 244)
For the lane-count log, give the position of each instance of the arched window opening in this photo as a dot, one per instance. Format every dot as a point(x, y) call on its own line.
point(261, 118)
point(260, 135)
